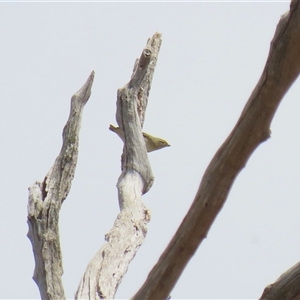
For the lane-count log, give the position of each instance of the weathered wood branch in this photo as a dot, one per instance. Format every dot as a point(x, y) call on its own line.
point(253, 127)
point(46, 198)
point(106, 270)
point(286, 287)
point(135, 157)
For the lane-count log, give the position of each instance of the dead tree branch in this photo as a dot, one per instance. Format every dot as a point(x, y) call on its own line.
point(286, 287)
point(253, 127)
point(106, 270)
point(46, 198)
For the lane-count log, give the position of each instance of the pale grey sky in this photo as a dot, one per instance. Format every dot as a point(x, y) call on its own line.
point(211, 58)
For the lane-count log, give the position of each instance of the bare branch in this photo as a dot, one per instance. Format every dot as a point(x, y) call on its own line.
point(106, 270)
point(286, 287)
point(281, 70)
point(142, 95)
point(45, 200)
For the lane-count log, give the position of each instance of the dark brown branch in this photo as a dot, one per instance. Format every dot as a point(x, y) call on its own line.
point(45, 200)
point(286, 287)
point(253, 127)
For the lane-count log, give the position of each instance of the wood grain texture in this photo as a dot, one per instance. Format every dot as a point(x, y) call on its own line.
point(286, 287)
point(46, 198)
point(106, 270)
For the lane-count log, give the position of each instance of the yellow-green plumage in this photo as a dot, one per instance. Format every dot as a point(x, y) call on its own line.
point(152, 143)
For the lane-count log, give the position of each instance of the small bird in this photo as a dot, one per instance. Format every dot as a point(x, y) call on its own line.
point(152, 143)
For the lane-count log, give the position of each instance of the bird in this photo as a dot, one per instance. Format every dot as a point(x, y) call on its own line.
point(152, 143)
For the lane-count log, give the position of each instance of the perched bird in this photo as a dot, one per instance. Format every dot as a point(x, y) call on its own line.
point(152, 143)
